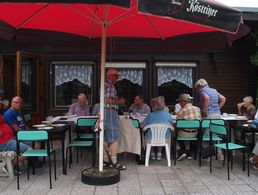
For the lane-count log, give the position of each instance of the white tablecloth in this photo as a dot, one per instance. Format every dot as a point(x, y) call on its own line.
point(130, 137)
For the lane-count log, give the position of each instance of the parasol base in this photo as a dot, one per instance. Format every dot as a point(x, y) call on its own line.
point(92, 176)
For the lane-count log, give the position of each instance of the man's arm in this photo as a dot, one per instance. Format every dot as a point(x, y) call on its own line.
point(206, 99)
point(222, 101)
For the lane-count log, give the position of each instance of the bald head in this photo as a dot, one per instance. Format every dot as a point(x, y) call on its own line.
point(16, 103)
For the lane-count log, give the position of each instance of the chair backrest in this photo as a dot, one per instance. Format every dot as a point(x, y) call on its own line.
point(32, 135)
point(86, 122)
point(205, 123)
point(218, 129)
point(187, 124)
point(136, 123)
point(27, 118)
point(158, 133)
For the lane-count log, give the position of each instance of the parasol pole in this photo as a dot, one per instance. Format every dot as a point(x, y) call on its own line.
point(102, 80)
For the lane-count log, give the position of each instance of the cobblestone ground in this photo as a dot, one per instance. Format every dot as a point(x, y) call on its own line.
point(184, 178)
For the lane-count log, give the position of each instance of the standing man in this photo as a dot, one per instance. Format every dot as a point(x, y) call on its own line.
point(80, 108)
point(111, 125)
point(211, 101)
point(187, 112)
point(139, 106)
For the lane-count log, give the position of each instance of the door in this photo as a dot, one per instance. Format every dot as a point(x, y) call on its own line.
point(28, 83)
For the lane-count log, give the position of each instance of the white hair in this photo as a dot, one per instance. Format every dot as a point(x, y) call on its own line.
point(248, 99)
point(201, 83)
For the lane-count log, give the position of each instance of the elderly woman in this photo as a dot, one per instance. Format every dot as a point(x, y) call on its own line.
point(158, 115)
point(246, 108)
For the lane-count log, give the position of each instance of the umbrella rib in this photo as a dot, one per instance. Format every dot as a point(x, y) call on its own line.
point(30, 17)
point(121, 17)
point(154, 27)
point(83, 15)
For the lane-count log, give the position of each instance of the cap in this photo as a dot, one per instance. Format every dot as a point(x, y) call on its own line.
point(113, 71)
point(185, 96)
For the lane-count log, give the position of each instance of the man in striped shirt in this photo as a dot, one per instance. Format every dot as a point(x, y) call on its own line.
point(138, 107)
point(188, 112)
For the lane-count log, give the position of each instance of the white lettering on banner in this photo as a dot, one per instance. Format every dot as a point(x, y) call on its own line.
point(195, 6)
point(174, 2)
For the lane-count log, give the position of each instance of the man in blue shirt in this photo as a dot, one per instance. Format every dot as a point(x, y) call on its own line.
point(13, 115)
point(211, 101)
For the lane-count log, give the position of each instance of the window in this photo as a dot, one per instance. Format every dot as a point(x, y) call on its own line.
point(174, 79)
point(130, 83)
point(70, 79)
point(29, 83)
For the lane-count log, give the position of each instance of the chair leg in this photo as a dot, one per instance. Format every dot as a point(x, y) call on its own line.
point(18, 175)
point(228, 158)
point(55, 164)
point(147, 156)
point(174, 151)
point(77, 150)
point(168, 155)
point(248, 170)
point(200, 153)
point(49, 168)
point(244, 160)
point(231, 158)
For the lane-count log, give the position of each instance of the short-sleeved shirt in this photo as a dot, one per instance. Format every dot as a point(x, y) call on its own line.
point(110, 93)
point(159, 116)
point(189, 112)
point(78, 110)
point(7, 132)
point(213, 104)
point(248, 112)
point(13, 117)
point(143, 109)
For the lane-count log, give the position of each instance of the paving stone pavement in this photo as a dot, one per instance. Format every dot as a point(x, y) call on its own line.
point(184, 178)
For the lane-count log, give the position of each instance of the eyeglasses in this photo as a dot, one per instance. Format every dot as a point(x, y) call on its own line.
point(17, 102)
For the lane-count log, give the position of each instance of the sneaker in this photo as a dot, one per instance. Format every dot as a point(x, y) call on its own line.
point(182, 156)
point(251, 160)
point(153, 157)
point(255, 167)
point(189, 157)
point(159, 156)
point(15, 170)
point(220, 156)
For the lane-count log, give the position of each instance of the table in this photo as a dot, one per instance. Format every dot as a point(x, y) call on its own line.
point(58, 133)
point(130, 137)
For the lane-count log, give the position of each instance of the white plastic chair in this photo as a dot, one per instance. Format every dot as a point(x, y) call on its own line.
point(158, 132)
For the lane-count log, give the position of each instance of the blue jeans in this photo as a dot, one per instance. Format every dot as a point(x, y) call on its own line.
point(10, 145)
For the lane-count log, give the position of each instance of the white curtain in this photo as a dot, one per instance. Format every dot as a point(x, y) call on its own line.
point(181, 74)
point(69, 72)
point(133, 75)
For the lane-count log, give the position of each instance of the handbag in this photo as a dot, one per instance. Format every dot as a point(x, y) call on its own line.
point(207, 152)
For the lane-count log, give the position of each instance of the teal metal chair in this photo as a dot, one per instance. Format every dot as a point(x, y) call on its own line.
point(205, 125)
point(35, 135)
point(27, 119)
point(227, 146)
point(86, 141)
point(182, 125)
point(136, 123)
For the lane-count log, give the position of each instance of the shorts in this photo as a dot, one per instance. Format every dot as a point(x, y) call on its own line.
point(10, 145)
point(111, 126)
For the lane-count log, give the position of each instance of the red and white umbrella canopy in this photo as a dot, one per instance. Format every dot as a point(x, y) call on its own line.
point(119, 18)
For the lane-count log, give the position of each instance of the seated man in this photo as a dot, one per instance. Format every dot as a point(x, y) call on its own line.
point(187, 112)
point(138, 107)
point(80, 108)
point(159, 115)
point(246, 108)
point(8, 142)
point(14, 118)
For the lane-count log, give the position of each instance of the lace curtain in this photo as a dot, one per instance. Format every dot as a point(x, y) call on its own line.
point(133, 75)
point(69, 72)
point(181, 74)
